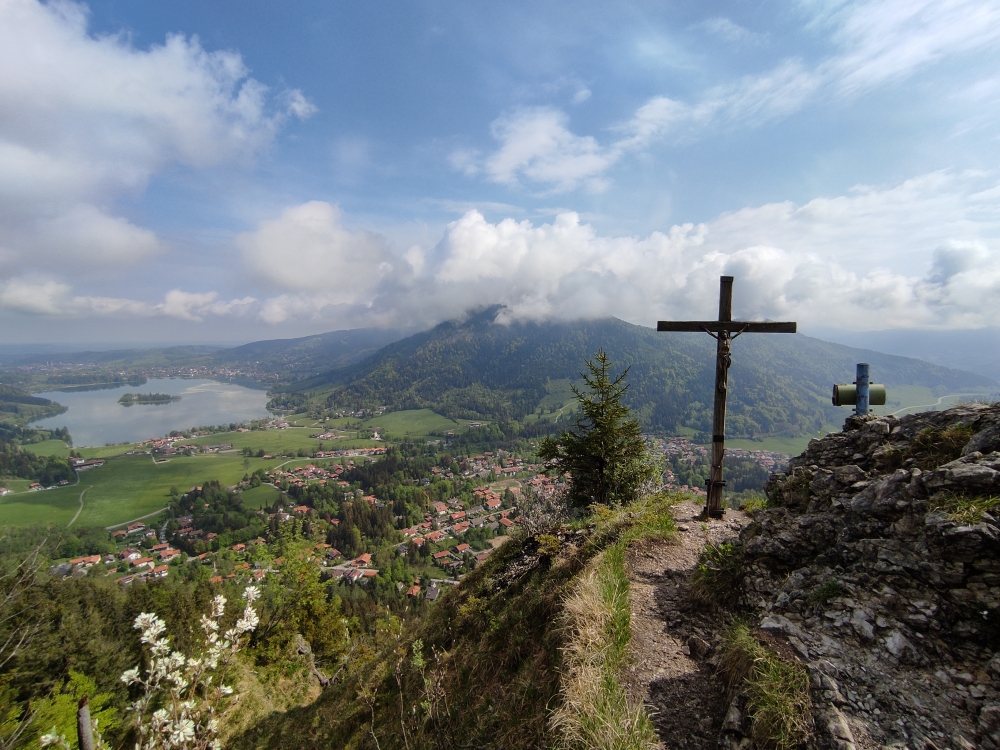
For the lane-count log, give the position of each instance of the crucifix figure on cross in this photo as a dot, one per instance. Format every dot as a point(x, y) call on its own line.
point(723, 330)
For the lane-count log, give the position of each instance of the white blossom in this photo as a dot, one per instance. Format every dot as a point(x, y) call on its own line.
point(130, 676)
point(182, 685)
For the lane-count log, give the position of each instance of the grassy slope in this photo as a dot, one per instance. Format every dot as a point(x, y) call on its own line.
point(278, 441)
point(417, 422)
point(125, 488)
point(483, 668)
point(48, 448)
point(260, 497)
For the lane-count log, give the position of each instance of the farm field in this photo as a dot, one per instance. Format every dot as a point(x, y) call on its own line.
point(791, 446)
point(909, 399)
point(260, 497)
point(107, 451)
point(48, 448)
point(16, 485)
point(125, 488)
point(278, 441)
point(417, 422)
point(59, 448)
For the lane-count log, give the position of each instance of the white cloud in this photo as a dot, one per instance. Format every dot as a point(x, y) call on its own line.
point(937, 244)
point(298, 105)
point(887, 39)
point(731, 32)
point(924, 253)
point(876, 42)
point(307, 249)
point(536, 144)
point(55, 298)
point(88, 119)
point(89, 233)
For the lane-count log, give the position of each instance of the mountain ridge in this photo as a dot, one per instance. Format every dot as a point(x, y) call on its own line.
point(481, 368)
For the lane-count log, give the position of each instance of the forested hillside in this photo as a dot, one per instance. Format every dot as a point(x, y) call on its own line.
point(18, 407)
point(483, 369)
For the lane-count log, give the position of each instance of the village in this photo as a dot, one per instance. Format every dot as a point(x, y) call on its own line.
point(454, 535)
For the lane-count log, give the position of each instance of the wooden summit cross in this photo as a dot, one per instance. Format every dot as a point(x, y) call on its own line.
point(723, 330)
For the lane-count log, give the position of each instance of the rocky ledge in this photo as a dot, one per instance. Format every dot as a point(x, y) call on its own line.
point(878, 562)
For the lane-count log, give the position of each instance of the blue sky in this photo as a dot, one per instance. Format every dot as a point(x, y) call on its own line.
point(227, 171)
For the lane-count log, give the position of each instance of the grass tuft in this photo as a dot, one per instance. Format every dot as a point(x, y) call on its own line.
point(825, 591)
point(777, 691)
point(718, 576)
point(595, 711)
point(751, 504)
point(932, 448)
point(963, 508)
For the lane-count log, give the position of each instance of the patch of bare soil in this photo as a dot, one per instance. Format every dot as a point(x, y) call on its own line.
point(674, 642)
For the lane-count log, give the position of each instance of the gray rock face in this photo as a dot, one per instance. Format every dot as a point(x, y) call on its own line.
point(878, 563)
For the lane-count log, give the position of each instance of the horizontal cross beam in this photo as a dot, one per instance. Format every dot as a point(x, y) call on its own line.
point(732, 326)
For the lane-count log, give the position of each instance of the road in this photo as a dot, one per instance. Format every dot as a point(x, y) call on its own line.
point(936, 403)
point(80, 509)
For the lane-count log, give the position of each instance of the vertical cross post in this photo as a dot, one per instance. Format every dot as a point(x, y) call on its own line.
point(723, 360)
point(724, 330)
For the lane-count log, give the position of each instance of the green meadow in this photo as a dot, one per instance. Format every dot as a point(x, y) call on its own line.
point(15, 485)
point(48, 448)
point(276, 442)
point(260, 497)
point(124, 488)
point(417, 423)
point(59, 448)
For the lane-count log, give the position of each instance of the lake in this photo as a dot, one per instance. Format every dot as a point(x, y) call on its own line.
point(96, 418)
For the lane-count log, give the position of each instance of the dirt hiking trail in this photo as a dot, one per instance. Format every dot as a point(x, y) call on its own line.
point(675, 644)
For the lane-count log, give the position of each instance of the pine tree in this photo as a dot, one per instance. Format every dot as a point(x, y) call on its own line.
point(603, 451)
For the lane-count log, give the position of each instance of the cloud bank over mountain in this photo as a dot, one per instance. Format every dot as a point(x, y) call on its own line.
point(934, 238)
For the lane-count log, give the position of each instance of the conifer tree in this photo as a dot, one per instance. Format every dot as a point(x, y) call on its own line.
point(603, 451)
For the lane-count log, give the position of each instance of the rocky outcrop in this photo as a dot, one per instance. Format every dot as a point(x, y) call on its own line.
point(878, 562)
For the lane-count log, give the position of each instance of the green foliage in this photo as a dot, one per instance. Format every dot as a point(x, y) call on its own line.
point(754, 503)
point(301, 604)
point(130, 399)
point(16, 462)
point(548, 545)
point(18, 407)
point(718, 576)
point(825, 591)
point(777, 690)
point(59, 710)
point(603, 451)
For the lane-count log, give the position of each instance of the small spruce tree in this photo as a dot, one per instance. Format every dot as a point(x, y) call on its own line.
point(603, 451)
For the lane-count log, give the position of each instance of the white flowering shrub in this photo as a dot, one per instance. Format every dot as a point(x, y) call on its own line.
point(181, 697)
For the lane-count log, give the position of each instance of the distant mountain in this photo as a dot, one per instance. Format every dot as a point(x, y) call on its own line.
point(192, 356)
point(310, 354)
point(973, 350)
point(282, 359)
point(483, 369)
